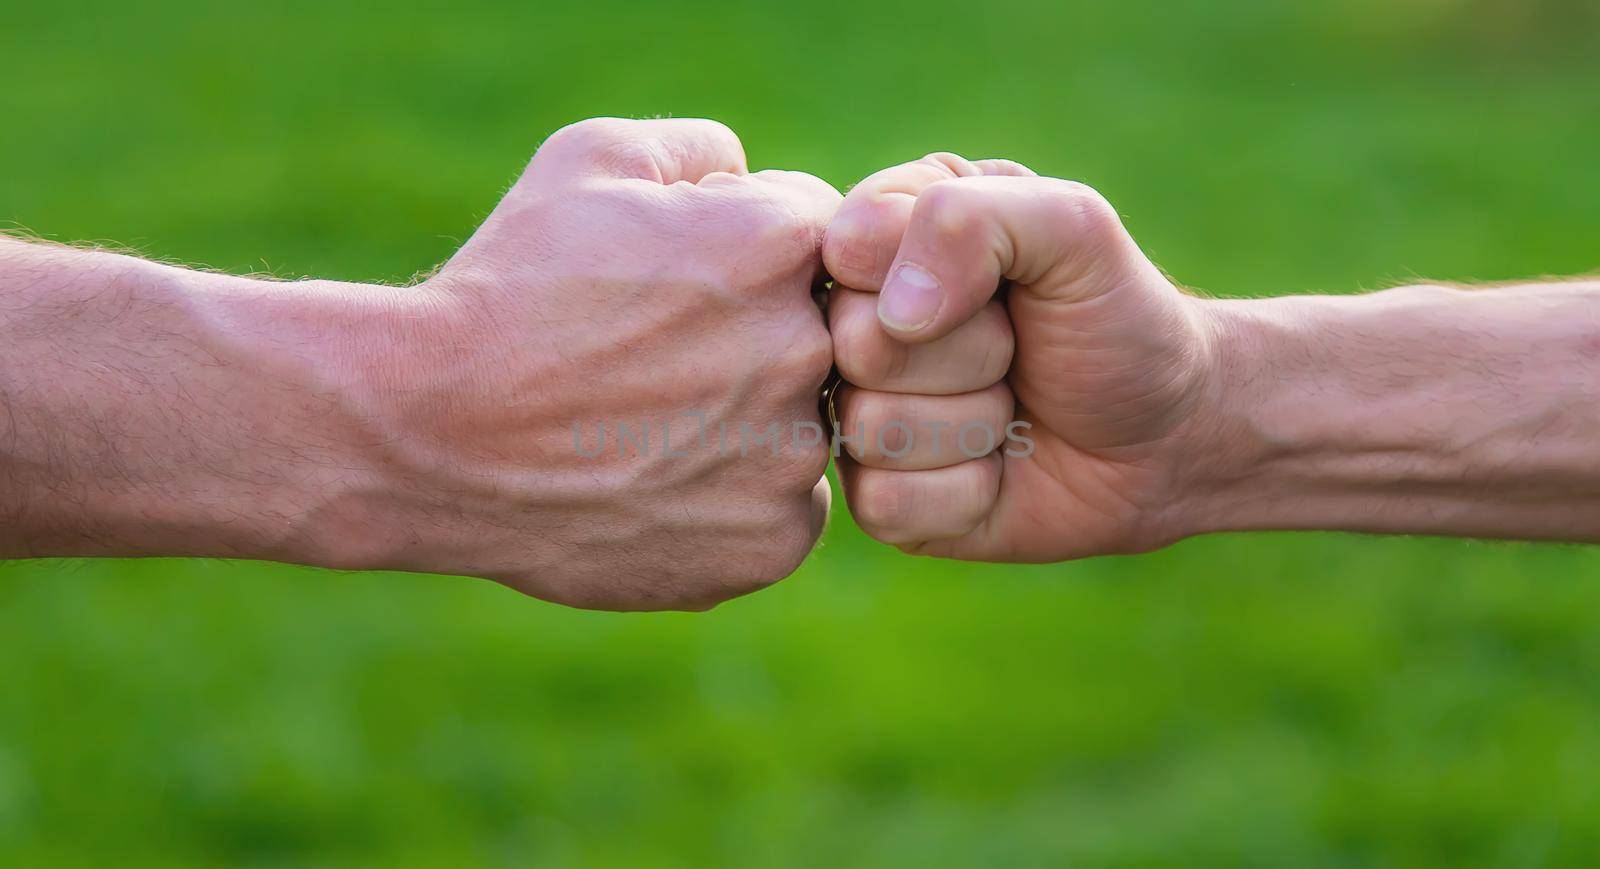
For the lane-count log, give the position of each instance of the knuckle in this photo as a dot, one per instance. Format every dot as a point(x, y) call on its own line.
point(805, 356)
point(946, 211)
point(807, 465)
point(999, 349)
point(1001, 166)
point(986, 486)
point(793, 182)
point(1079, 205)
point(610, 145)
point(853, 406)
point(981, 487)
point(883, 504)
point(624, 157)
point(955, 164)
point(801, 459)
point(713, 129)
point(860, 350)
point(810, 355)
point(870, 412)
point(776, 230)
point(586, 135)
point(1001, 403)
point(763, 233)
point(860, 240)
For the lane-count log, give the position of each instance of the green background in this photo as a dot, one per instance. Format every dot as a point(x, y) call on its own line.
point(1242, 700)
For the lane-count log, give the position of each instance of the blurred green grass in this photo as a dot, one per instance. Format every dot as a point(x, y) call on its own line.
point(1239, 700)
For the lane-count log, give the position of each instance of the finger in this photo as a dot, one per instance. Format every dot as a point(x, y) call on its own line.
point(864, 235)
point(975, 355)
point(966, 234)
point(775, 225)
point(665, 151)
point(1015, 530)
point(919, 432)
point(814, 200)
point(994, 166)
point(911, 507)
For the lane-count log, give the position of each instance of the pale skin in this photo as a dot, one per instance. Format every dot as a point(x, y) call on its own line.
point(636, 271)
point(1158, 415)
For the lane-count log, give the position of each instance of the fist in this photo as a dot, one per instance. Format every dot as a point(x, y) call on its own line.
point(613, 401)
point(1099, 362)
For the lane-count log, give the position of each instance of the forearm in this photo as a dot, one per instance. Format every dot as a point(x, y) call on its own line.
point(147, 409)
point(1417, 410)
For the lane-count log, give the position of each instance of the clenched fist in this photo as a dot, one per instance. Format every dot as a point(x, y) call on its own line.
point(573, 411)
point(1100, 361)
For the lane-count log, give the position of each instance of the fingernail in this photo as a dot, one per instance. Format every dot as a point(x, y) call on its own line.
point(910, 298)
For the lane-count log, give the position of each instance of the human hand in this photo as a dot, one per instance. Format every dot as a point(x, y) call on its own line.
point(1111, 365)
point(635, 274)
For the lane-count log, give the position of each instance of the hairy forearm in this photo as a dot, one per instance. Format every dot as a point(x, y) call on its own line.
point(152, 410)
point(1422, 409)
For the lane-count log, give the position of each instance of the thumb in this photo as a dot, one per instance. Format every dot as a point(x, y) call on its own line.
point(1053, 238)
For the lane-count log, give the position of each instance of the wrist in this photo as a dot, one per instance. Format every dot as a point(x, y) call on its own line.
point(1237, 433)
point(1280, 437)
point(1217, 447)
point(1283, 437)
point(409, 375)
point(344, 357)
point(292, 463)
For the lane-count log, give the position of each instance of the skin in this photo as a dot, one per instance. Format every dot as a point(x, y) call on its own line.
point(635, 272)
point(1157, 415)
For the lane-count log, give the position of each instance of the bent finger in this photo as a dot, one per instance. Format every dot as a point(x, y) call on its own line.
point(910, 507)
point(865, 234)
point(921, 432)
point(973, 356)
point(967, 234)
